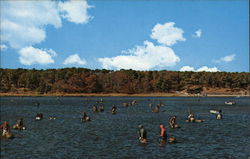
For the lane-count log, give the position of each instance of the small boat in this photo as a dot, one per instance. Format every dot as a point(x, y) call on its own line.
point(199, 121)
point(125, 104)
point(230, 103)
point(195, 121)
point(214, 111)
point(52, 118)
point(172, 140)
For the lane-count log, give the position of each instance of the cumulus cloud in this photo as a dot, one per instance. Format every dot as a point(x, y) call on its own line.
point(75, 11)
point(207, 69)
point(143, 57)
point(149, 55)
point(23, 23)
point(167, 34)
point(187, 68)
point(228, 58)
point(201, 69)
point(198, 33)
point(74, 59)
point(30, 55)
point(3, 47)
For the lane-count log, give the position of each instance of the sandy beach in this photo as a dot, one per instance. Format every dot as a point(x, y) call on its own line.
point(118, 94)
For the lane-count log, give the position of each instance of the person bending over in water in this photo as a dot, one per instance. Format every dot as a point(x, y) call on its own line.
point(20, 122)
point(85, 117)
point(6, 128)
point(157, 108)
point(142, 133)
point(163, 134)
point(101, 108)
point(172, 121)
point(219, 115)
point(150, 106)
point(39, 116)
point(19, 125)
point(191, 117)
point(113, 109)
point(95, 109)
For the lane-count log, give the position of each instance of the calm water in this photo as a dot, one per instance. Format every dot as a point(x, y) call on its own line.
point(114, 136)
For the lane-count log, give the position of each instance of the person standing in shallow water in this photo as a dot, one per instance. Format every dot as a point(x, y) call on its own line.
point(172, 122)
point(19, 124)
point(6, 128)
point(142, 133)
point(101, 108)
point(94, 108)
point(163, 134)
point(157, 108)
point(113, 111)
point(191, 117)
point(219, 115)
point(85, 117)
point(150, 106)
point(39, 116)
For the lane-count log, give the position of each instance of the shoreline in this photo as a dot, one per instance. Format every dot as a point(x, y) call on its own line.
point(114, 95)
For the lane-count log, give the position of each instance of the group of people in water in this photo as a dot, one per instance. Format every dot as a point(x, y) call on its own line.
point(6, 128)
point(142, 132)
point(96, 109)
point(162, 139)
point(18, 126)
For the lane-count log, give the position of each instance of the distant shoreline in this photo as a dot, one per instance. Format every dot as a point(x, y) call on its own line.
point(116, 95)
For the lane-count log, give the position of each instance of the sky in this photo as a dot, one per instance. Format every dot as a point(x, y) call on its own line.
point(177, 35)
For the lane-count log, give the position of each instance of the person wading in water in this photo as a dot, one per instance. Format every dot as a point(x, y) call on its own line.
point(162, 135)
point(142, 133)
point(6, 129)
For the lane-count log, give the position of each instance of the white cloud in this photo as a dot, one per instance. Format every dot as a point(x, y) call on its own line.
point(167, 34)
point(149, 56)
point(30, 55)
point(74, 59)
point(23, 23)
point(143, 57)
point(198, 33)
point(187, 68)
point(228, 58)
point(207, 69)
point(75, 11)
point(3, 47)
point(201, 69)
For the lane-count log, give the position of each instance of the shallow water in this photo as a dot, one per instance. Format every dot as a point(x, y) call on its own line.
point(114, 136)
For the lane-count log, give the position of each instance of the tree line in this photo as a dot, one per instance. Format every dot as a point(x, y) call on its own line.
point(82, 80)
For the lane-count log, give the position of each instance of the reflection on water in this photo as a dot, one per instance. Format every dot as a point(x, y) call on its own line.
point(114, 136)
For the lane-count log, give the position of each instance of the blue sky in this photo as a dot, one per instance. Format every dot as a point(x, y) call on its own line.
point(178, 35)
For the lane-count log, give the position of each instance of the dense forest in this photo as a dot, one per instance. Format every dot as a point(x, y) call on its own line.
point(82, 80)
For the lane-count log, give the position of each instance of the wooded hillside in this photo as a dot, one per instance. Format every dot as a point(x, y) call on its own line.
point(81, 80)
